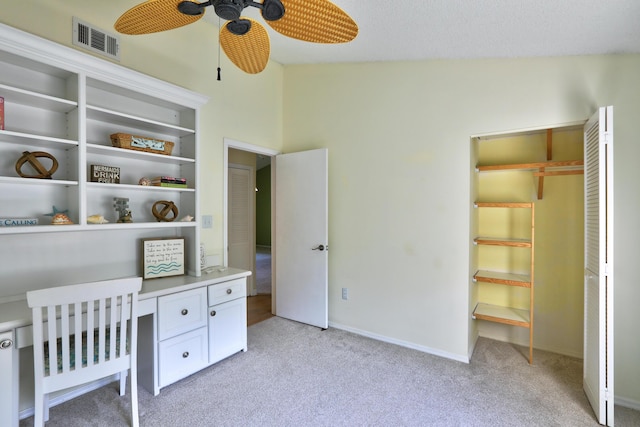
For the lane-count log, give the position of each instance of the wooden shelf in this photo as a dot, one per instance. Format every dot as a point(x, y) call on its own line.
point(117, 118)
point(125, 153)
point(501, 278)
point(493, 241)
point(500, 314)
point(97, 227)
point(503, 204)
point(541, 169)
point(505, 315)
point(35, 181)
point(566, 165)
point(22, 138)
point(136, 187)
point(39, 100)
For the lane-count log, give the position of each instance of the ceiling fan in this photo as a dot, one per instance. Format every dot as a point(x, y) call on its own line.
point(243, 39)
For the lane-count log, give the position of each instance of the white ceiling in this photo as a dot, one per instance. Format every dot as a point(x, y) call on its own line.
point(399, 30)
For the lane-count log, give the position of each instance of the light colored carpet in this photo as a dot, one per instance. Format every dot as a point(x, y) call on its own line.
point(263, 270)
point(298, 375)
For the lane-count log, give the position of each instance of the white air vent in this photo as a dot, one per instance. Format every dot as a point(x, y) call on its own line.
point(94, 39)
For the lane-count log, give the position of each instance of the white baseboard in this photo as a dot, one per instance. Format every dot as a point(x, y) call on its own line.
point(627, 403)
point(407, 344)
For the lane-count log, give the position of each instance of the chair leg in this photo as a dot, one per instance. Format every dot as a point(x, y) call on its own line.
point(38, 409)
point(123, 382)
point(134, 400)
point(45, 399)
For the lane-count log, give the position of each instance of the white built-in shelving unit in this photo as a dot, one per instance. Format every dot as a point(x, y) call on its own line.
point(66, 103)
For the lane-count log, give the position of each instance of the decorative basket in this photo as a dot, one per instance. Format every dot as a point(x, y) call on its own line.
point(141, 143)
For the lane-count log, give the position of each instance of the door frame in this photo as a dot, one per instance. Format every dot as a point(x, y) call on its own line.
point(251, 148)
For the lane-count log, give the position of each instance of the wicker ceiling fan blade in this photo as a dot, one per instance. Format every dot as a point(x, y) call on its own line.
point(318, 21)
point(249, 51)
point(153, 16)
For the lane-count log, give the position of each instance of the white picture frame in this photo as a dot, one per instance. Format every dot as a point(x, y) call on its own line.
point(162, 257)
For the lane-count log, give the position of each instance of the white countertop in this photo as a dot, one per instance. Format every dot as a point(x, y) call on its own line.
point(15, 312)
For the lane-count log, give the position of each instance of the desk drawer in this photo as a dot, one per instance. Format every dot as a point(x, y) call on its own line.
point(181, 312)
point(183, 355)
point(227, 291)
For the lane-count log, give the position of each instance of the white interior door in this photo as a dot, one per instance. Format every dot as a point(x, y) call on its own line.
point(301, 243)
point(598, 281)
point(241, 219)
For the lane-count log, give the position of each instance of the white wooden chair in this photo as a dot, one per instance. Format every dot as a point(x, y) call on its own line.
point(90, 339)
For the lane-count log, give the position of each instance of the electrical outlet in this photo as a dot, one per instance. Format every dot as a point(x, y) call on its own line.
point(207, 221)
point(345, 293)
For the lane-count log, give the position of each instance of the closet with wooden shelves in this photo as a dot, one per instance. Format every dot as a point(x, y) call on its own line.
point(67, 104)
point(504, 256)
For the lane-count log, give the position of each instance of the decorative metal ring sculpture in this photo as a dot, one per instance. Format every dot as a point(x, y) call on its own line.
point(32, 159)
point(161, 210)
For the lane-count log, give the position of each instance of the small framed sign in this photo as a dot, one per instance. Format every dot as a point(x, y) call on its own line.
point(106, 174)
point(162, 257)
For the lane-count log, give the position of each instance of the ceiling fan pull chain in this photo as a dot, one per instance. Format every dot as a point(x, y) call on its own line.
point(219, 78)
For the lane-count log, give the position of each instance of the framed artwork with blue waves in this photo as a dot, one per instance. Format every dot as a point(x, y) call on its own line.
point(162, 257)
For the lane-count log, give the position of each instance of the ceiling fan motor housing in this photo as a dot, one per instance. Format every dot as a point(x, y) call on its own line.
point(229, 9)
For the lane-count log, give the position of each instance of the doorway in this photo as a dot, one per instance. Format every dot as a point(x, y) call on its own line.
point(260, 301)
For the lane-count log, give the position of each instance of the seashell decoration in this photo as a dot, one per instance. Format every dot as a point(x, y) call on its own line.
point(96, 219)
point(61, 219)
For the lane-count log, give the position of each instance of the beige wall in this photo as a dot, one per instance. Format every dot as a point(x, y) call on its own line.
point(398, 136)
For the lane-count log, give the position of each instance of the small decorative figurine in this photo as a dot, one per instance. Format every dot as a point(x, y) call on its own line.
point(121, 205)
point(126, 217)
point(32, 159)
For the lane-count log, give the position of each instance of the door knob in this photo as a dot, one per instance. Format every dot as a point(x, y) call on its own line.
point(319, 248)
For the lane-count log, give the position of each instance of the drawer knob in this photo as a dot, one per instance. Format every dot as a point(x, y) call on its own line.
point(5, 344)
point(229, 291)
point(213, 313)
point(184, 312)
point(185, 354)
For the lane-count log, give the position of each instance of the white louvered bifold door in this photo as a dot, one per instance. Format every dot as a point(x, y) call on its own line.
point(241, 220)
point(598, 277)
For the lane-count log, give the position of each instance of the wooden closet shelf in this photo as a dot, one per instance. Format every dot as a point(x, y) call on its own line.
point(572, 164)
point(501, 278)
point(520, 243)
point(503, 204)
point(499, 314)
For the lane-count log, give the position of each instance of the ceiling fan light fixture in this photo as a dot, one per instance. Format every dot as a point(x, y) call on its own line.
point(272, 10)
point(239, 27)
point(191, 8)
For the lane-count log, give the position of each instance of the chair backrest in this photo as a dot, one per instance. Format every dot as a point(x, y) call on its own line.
point(80, 332)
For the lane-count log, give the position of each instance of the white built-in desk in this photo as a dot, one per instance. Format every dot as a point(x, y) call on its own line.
point(185, 324)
